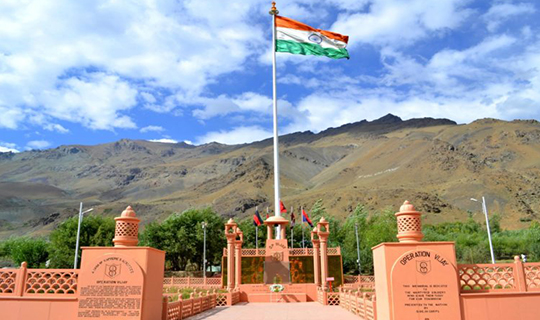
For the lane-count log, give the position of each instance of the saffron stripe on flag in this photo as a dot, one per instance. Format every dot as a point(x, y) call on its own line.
point(293, 24)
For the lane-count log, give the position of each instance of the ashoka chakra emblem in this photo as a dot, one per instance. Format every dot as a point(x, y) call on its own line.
point(315, 38)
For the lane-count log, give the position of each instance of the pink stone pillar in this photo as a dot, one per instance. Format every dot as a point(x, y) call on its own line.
point(323, 232)
point(238, 257)
point(230, 234)
point(316, 257)
point(270, 231)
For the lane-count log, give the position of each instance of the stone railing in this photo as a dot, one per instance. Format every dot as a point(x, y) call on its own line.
point(38, 282)
point(500, 277)
point(327, 298)
point(249, 252)
point(359, 282)
point(183, 309)
point(361, 304)
point(192, 282)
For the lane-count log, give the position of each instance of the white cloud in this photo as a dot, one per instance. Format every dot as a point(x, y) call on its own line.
point(152, 129)
point(95, 100)
point(164, 140)
point(55, 127)
point(8, 147)
point(37, 144)
point(244, 103)
point(45, 45)
point(237, 135)
point(500, 12)
point(397, 23)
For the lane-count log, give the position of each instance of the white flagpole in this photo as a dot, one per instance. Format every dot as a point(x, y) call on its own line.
point(302, 214)
point(292, 228)
point(273, 12)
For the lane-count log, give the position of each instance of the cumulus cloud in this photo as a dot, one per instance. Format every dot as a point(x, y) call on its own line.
point(120, 49)
point(8, 147)
point(152, 129)
point(237, 135)
point(37, 144)
point(164, 140)
point(500, 12)
point(399, 23)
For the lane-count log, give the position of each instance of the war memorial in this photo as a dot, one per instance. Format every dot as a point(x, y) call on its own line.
point(413, 280)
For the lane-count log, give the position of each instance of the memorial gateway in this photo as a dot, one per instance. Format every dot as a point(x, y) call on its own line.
point(413, 280)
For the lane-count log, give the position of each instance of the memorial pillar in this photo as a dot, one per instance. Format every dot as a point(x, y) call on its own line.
point(323, 233)
point(238, 257)
point(125, 275)
point(415, 279)
point(269, 232)
point(316, 257)
point(230, 234)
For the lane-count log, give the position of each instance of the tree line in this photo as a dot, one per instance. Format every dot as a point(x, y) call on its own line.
point(181, 236)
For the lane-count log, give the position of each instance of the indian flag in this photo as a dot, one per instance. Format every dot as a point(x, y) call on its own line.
point(298, 38)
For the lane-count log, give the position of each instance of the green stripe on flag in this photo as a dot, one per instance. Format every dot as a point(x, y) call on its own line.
point(310, 49)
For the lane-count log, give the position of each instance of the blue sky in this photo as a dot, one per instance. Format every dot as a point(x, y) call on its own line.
point(89, 71)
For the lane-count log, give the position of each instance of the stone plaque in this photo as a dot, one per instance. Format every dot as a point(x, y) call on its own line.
point(424, 287)
point(111, 288)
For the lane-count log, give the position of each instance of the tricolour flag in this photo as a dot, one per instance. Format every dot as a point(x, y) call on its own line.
point(298, 38)
point(305, 218)
point(257, 220)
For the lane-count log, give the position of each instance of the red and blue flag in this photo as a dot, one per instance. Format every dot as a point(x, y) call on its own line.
point(305, 218)
point(257, 220)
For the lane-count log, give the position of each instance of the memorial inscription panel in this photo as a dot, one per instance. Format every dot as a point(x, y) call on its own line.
point(111, 288)
point(425, 287)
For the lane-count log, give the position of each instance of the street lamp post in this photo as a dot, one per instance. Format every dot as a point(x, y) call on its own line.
point(357, 249)
point(484, 209)
point(81, 214)
point(204, 224)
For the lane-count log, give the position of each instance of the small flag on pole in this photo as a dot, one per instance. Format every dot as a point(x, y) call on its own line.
point(267, 213)
point(257, 220)
point(293, 218)
point(282, 208)
point(298, 38)
point(305, 218)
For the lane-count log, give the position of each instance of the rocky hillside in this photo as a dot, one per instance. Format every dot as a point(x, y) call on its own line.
point(435, 163)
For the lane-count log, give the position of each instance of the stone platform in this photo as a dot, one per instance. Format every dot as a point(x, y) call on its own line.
point(281, 311)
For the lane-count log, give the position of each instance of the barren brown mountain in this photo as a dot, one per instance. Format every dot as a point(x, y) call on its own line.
point(435, 163)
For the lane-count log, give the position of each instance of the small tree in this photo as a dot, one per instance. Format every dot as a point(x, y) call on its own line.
point(181, 236)
point(96, 231)
point(33, 251)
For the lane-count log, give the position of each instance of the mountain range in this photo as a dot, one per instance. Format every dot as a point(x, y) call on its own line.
point(436, 164)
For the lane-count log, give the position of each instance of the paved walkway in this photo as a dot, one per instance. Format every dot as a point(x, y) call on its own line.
point(273, 311)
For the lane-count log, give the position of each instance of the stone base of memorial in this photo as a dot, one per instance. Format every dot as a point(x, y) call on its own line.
point(121, 283)
point(416, 280)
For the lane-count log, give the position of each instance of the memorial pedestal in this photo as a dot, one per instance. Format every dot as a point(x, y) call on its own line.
point(121, 283)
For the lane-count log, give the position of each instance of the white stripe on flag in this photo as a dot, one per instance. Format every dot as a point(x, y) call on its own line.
point(303, 36)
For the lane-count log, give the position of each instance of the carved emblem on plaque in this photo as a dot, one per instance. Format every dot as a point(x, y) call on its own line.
point(112, 270)
point(423, 267)
point(278, 256)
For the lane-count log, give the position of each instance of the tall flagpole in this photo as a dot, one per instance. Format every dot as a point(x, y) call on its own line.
point(277, 212)
point(302, 213)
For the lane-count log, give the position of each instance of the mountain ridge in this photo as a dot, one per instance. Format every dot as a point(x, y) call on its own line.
point(436, 163)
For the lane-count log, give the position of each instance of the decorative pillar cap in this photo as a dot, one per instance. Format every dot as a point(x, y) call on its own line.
point(126, 233)
point(323, 224)
point(409, 223)
point(129, 212)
